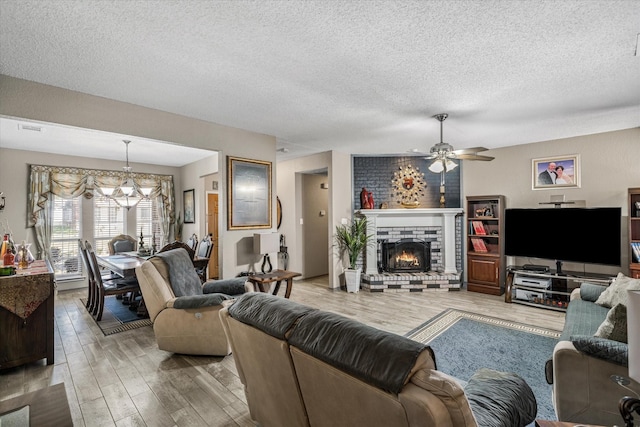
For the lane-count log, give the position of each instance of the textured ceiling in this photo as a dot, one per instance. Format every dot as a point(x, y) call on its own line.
point(354, 76)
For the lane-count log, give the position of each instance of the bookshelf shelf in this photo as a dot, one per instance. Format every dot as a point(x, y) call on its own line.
point(634, 232)
point(485, 252)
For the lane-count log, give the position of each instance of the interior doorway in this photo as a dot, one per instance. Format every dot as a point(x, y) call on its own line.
point(212, 228)
point(315, 223)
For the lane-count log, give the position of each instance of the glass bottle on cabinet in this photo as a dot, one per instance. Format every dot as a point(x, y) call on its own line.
point(485, 248)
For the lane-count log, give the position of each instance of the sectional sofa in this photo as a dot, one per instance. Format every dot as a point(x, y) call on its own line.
point(306, 367)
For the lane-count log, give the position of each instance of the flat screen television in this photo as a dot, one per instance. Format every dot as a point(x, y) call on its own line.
point(583, 235)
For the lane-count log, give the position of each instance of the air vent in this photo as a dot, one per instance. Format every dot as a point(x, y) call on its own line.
point(33, 128)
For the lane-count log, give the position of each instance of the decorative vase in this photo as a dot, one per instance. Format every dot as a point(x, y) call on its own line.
point(352, 278)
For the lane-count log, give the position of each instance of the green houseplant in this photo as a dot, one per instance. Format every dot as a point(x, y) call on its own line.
point(351, 240)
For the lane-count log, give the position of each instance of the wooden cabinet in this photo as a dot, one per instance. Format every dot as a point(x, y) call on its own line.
point(29, 293)
point(484, 241)
point(634, 232)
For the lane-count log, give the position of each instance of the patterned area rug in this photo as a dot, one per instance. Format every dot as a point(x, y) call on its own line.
point(118, 318)
point(464, 342)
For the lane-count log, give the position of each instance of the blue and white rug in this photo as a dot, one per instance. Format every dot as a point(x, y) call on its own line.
point(464, 342)
point(117, 317)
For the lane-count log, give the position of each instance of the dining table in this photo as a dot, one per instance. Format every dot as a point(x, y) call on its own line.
point(124, 264)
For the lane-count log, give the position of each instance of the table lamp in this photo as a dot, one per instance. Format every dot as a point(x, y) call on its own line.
point(266, 243)
point(628, 405)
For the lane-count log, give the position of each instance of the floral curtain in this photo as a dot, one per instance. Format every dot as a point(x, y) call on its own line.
point(74, 182)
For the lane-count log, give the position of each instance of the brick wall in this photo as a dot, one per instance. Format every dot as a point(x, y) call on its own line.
point(375, 174)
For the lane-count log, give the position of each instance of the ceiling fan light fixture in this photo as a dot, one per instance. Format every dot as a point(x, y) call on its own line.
point(450, 165)
point(437, 166)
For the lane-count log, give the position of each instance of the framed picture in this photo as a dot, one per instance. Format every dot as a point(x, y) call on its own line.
point(556, 172)
point(189, 206)
point(248, 193)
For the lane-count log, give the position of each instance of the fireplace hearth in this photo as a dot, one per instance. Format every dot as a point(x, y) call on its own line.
point(406, 256)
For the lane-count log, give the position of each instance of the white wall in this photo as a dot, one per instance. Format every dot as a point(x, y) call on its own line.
point(610, 164)
point(34, 101)
point(338, 166)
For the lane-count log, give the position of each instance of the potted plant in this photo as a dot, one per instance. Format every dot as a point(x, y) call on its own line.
point(352, 239)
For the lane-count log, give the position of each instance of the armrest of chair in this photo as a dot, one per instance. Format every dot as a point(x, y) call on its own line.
point(235, 286)
point(197, 301)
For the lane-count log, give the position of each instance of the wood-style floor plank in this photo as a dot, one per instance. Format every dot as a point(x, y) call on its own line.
point(126, 381)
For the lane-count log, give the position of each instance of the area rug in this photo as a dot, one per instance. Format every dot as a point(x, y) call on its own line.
point(464, 342)
point(117, 317)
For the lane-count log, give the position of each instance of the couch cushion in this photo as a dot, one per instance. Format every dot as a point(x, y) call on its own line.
point(583, 318)
point(591, 292)
point(602, 348)
point(500, 399)
point(614, 326)
point(376, 357)
point(616, 293)
point(269, 313)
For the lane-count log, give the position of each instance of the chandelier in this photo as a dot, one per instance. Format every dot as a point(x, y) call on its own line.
point(128, 193)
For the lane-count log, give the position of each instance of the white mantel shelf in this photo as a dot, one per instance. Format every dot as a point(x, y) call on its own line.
point(442, 217)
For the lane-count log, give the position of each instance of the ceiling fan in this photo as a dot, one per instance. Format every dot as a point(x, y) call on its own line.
point(443, 153)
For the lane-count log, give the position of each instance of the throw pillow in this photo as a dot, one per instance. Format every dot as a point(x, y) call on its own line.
point(611, 351)
point(500, 399)
point(616, 293)
point(614, 326)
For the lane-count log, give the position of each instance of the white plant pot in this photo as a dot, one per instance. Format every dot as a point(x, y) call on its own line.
point(352, 277)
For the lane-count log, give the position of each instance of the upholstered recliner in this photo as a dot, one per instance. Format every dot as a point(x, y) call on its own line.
point(183, 310)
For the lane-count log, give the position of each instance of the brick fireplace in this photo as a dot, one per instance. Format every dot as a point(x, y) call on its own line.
point(439, 229)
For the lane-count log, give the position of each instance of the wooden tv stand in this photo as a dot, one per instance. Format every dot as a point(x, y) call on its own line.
point(556, 296)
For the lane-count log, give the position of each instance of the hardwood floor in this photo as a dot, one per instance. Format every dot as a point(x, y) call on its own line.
point(124, 380)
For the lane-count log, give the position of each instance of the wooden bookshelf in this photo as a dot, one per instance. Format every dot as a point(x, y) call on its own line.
point(634, 232)
point(485, 249)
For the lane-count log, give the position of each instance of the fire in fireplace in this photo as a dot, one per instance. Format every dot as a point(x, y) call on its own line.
point(406, 256)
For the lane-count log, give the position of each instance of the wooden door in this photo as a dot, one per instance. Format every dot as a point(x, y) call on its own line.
point(212, 227)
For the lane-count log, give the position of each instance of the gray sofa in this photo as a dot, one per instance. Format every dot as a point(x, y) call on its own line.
point(306, 367)
point(582, 363)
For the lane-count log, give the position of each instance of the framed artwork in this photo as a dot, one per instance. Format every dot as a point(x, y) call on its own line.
point(248, 193)
point(556, 172)
point(189, 204)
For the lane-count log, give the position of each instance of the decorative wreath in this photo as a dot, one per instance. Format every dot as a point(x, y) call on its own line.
point(408, 186)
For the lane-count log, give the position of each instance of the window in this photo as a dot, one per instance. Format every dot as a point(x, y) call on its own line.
point(66, 222)
point(108, 222)
point(148, 222)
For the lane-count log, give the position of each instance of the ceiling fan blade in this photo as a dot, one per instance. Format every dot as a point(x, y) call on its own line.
point(474, 157)
point(471, 150)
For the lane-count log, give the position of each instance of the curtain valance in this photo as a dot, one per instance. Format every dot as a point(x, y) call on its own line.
point(68, 182)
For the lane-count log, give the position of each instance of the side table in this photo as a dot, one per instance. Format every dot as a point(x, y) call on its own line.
point(259, 280)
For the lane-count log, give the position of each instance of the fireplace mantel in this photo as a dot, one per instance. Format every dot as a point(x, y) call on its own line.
point(445, 218)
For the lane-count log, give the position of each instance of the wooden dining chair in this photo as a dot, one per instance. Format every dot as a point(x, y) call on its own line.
point(192, 241)
point(105, 288)
point(178, 244)
point(91, 289)
point(122, 243)
point(201, 260)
